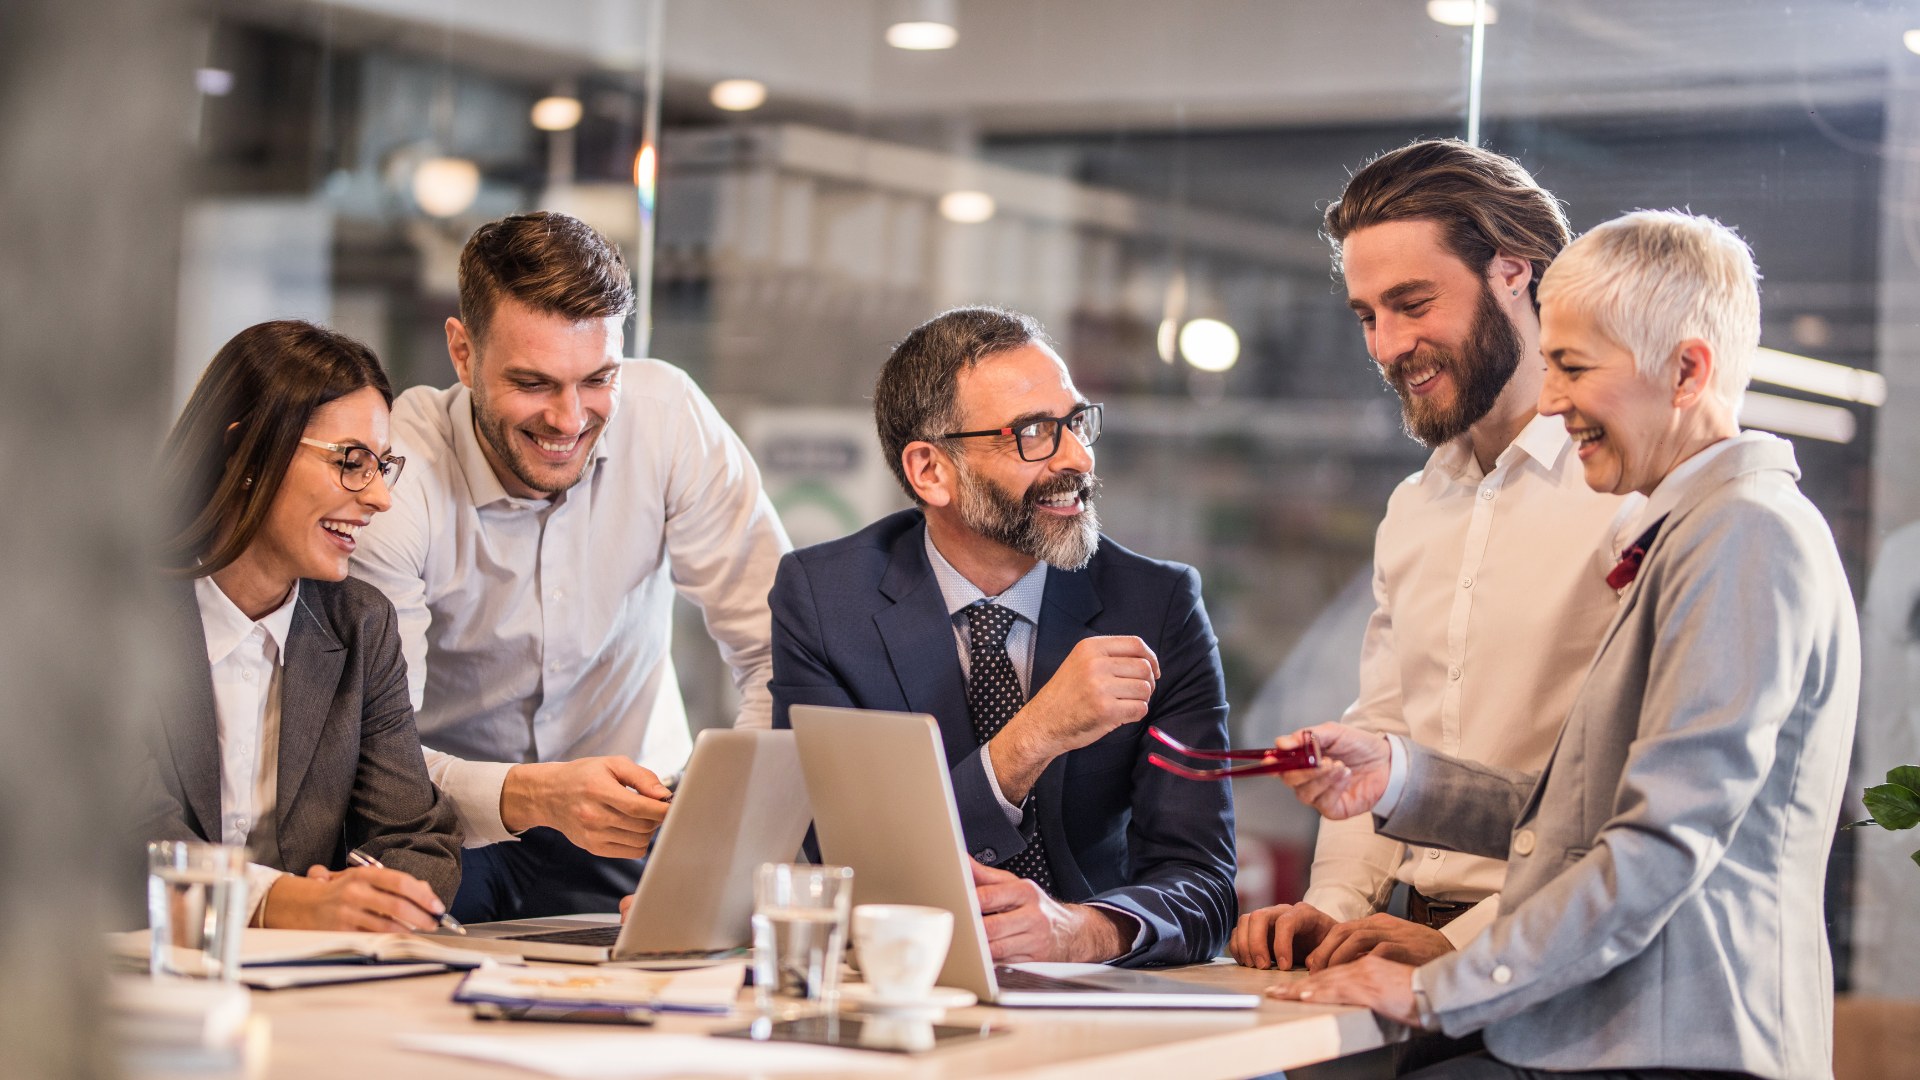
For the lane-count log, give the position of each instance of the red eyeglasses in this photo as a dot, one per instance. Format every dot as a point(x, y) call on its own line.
point(1272, 761)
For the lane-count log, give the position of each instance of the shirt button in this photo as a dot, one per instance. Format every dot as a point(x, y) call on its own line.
point(1433, 853)
point(1503, 974)
point(247, 676)
point(557, 594)
point(1523, 843)
point(1454, 674)
point(988, 855)
point(1486, 493)
point(1466, 583)
point(555, 666)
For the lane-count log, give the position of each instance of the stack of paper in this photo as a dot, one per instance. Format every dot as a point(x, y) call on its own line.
point(259, 946)
point(185, 1025)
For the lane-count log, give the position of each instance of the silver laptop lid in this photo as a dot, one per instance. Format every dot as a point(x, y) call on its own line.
point(742, 802)
point(883, 804)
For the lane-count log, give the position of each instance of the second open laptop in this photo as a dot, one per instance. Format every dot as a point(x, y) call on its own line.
point(741, 802)
point(883, 804)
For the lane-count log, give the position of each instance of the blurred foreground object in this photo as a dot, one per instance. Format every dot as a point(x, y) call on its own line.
point(96, 106)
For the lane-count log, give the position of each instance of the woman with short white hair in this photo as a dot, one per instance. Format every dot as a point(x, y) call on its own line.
point(1663, 911)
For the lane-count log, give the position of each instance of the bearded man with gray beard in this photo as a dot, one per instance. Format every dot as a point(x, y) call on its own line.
point(1039, 646)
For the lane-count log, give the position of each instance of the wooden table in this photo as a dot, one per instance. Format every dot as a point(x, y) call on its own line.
point(348, 1031)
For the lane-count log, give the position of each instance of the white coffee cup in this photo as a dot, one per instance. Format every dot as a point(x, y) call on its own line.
point(901, 948)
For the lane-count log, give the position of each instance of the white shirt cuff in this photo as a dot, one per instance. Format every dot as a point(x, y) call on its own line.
point(260, 879)
point(1139, 935)
point(1396, 779)
point(1471, 921)
point(474, 787)
point(1013, 813)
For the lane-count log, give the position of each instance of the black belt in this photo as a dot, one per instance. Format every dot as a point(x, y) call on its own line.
point(1430, 912)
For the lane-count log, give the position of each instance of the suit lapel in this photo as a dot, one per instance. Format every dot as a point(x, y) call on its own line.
point(918, 635)
point(188, 719)
point(309, 678)
point(1070, 603)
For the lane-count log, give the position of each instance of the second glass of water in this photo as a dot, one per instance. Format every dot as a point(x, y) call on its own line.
point(197, 907)
point(799, 934)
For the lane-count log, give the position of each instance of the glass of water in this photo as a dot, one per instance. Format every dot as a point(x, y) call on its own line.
point(197, 907)
point(799, 934)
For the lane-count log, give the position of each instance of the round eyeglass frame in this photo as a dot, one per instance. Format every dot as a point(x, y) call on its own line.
point(389, 467)
point(1094, 411)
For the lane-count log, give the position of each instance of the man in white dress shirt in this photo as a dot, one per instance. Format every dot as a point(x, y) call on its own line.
point(558, 497)
point(1483, 623)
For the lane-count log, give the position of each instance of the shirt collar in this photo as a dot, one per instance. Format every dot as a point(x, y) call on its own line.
point(1674, 486)
point(1543, 439)
point(482, 482)
point(226, 626)
point(1023, 597)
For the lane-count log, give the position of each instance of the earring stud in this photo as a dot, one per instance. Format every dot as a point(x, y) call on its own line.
point(1516, 292)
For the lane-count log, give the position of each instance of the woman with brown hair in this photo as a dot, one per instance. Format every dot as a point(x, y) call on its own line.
point(289, 727)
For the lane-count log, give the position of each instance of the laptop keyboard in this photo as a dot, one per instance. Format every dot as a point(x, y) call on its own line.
point(1012, 978)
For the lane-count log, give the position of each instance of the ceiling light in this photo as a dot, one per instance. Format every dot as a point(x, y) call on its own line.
point(1912, 40)
point(922, 36)
point(213, 82)
point(556, 113)
point(1819, 377)
point(1209, 344)
point(1791, 416)
point(966, 207)
point(738, 95)
point(444, 186)
point(1459, 12)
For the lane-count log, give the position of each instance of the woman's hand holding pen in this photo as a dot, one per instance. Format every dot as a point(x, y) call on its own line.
point(360, 898)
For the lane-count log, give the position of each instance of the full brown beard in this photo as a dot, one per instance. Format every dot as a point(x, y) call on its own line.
point(1019, 523)
point(1481, 369)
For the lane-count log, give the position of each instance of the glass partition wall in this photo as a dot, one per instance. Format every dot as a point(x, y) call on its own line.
point(1148, 180)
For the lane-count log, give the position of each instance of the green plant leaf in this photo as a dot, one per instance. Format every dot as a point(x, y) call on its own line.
point(1859, 824)
point(1907, 776)
point(1916, 858)
point(1893, 806)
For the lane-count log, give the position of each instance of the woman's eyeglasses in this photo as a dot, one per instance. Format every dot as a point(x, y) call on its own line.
point(1040, 439)
point(358, 466)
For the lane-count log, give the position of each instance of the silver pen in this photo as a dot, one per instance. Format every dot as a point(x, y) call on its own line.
point(361, 858)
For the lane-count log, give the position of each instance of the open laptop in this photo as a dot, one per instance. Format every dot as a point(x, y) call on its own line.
point(883, 804)
point(741, 802)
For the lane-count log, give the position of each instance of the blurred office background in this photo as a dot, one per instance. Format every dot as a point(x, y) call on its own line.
point(804, 180)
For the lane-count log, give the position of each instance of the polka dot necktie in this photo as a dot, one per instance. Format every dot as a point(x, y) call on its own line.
point(993, 696)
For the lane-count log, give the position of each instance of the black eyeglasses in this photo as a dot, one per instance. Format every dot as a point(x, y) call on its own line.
point(1040, 439)
point(357, 465)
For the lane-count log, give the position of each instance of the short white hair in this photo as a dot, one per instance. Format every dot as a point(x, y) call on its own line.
point(1654, 278)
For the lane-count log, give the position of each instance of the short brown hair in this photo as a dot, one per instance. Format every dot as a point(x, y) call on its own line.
point(550, 262)
point(1485, 204)
point(915, 397)
point(268, 380)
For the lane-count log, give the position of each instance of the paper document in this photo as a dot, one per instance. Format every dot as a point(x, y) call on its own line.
point(296, 975)
point(705, 990)
point(258, 946)
point(651, 1055)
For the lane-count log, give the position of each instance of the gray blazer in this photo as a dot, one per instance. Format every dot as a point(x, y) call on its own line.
point(350, 771)
point(1663, 901)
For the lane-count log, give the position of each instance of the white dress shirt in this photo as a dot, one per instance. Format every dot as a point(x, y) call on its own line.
point(538, 629)
point(1491, 597)
point(1023, 598)
point(246, 656)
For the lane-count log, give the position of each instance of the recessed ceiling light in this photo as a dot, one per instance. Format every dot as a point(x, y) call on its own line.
point(556, 113)
point(1459, 12)
point(966, 207)
point(738, 95)
point(922, 36)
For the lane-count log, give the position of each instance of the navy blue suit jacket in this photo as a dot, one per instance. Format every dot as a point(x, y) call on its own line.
point(859, 622)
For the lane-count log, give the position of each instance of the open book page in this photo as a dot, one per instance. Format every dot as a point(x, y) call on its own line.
point(260, 946)
point(709, 990)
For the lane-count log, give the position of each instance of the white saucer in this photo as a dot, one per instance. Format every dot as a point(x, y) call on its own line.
point(938, 1000)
